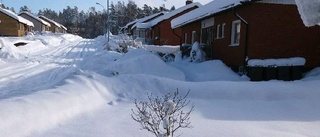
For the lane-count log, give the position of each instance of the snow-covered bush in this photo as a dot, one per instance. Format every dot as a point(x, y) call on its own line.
point(163, 115)
point(197, 54)
point(178, 56)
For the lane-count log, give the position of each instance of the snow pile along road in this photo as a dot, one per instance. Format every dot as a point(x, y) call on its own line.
point(72, 87)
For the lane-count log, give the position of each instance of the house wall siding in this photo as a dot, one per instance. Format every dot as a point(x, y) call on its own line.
point(194, 26)
point(38, 26)
point(222, 49)
point(8, 26)
point(277, 31)
point(165, 33)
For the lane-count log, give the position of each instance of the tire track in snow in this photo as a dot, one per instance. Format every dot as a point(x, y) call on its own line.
point(43, 71)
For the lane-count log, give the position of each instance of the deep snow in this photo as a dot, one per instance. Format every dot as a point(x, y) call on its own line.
point(63, 85)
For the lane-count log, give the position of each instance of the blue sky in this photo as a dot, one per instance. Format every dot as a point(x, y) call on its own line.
point(59, 5)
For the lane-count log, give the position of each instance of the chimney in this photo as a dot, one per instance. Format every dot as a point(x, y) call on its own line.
point(188, 2)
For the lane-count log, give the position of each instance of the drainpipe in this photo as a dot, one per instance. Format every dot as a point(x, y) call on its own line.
point(246, 40)
point(180, 39)
point(158, 34)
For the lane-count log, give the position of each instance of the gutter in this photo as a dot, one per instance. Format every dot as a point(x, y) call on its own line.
point(245, 63)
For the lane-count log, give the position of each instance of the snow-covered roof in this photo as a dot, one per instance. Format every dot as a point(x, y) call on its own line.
point(141, 21)
point(309, 11)
point(16, 17)
point(214, 7)
point(131, 23)
point(173, 13)
point(53, 22)
point(35, 17)
point(211, 8)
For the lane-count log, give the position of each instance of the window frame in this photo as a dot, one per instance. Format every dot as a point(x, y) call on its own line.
point(235, 33)
point(222, 30)
point(218, 31)
point(193, 36)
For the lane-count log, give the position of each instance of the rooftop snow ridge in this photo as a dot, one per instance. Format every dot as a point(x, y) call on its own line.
point(35, 17)
point(54, 22)
point(214, 7)
point(143, 20)
point(173, 13)
point(16, 17)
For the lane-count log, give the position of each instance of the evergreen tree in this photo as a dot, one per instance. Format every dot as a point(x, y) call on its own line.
point(25, 8)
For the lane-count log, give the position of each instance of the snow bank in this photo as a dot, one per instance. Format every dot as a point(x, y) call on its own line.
point(214, 70)
point(162, 49)
point(21, 116)
point(313, 74)
point(139, 61)
point(309, 11)
point(296, 61)
point(8, 50)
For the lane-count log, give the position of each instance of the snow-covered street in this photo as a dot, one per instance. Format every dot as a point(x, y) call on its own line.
point(67, 86)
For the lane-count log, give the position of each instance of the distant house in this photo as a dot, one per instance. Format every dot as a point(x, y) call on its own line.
point(55, 26)
point(13, 25)
point(39, 24)
point(142, 33)
point(238, 31)
point(127, 29)
point(160, 28)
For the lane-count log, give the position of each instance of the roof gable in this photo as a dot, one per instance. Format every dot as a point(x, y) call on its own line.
point(16, 17)
point(35, 17)
point(148, 18)
point(53, 22)
point(214, 7)
point(173, 13)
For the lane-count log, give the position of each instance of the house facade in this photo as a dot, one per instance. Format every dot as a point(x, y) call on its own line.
point(159, 29)
point(260, 29)
point(55, 27)
point(39, 24)
point(13, 25)
point(141, 30)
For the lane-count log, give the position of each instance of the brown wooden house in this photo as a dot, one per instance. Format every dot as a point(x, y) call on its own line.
point(237, 31)
point(55, 26)
point(160, 27)
point(12, 24)
point(39, 24)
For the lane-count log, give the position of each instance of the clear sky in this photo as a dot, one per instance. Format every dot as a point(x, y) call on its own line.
point(59, 5)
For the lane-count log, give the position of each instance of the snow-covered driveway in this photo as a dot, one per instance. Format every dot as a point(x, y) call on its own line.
point(43, 69)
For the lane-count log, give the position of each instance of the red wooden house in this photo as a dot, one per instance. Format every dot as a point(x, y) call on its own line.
point(240, 30)
point(160, 27)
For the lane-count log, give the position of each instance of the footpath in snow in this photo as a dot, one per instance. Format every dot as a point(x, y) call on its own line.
point(66, 86)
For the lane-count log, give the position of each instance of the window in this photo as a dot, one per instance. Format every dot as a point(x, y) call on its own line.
point(207, 35)
point(222, 30)
point(193, 39)
point(185, 38)
point(218, 31)
point(235, 33)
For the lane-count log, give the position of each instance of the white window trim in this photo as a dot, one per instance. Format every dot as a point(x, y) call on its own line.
point(218, 31)
point(233, 33)
point(193, 37)
point(222, 30)
point(185, 38)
